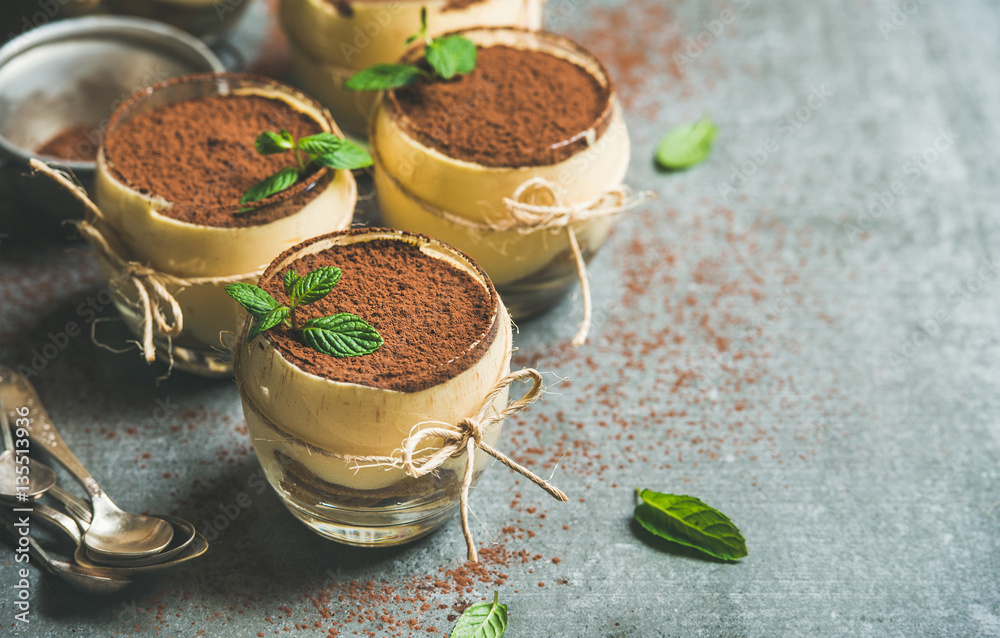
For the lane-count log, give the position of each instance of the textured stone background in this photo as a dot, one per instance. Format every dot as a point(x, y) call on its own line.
point(830, 382)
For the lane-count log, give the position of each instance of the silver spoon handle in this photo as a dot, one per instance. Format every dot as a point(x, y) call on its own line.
point(8, 438)
point(17, 390)
point(66, 524)
point(76, 506)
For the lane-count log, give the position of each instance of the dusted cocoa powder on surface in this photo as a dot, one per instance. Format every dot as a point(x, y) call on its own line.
point(436, 320)
point(199, 155)
point(512, 110)
point(73, 143)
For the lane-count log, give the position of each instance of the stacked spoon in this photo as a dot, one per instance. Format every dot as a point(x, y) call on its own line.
point(112, 546)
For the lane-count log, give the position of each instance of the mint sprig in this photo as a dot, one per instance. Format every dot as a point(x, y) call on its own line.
point(482, 620)
point(322, 149)
point(340, 335)
point(448, 56)
point(687, 521)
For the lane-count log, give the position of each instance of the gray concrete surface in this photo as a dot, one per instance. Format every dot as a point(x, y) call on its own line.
point(834, 389)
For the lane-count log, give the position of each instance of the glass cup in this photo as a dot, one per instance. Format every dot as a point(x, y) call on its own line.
point(329, 47)
point(302, 425)
point(419, 187)
point(139, 233)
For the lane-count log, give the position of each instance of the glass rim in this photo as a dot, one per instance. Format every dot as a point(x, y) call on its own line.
point(446, 252)
point(545, 42)
point(125, 110)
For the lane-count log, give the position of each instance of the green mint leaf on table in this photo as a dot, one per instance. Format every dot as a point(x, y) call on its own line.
point(687, 521)
point(322, 149)
point(256, 301)
point(482, 620)
point(382, 77)
point(267, 322)
point(342, 335)
point(452, 55)
point(349, 155)
point(686, 145)
point(289, 281)
point(274, 184)
point(314, 286)
point(449, 56)
point(268, 143)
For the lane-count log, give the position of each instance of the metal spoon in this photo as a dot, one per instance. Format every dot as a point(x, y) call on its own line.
point(92, 580)
point(197, 547)
point(113, 531)
point(40, 477)
point(65, 524)
point(184, 535)
point(78, 508)
point(184, 532)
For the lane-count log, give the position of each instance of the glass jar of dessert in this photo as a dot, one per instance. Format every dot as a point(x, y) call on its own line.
point(331, 40)
point(332, 432)
point(504, 162)
point(176, 162)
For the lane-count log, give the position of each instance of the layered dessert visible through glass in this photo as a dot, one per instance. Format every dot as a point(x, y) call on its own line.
point(537, 108)
point(313, 417)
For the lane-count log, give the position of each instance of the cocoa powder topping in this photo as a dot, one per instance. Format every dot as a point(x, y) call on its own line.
point(517, 108)
point(436, 320)
point(199, 155)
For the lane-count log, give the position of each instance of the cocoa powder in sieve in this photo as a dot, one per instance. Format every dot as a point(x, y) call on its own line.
point(199, 154)
point(73, 143)
point(517, 108)
point(436, 320)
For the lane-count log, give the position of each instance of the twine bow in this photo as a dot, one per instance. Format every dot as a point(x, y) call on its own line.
point(538, 204)
point(527, 215)
point(465, 438)
point(152, 285)
point(421, 454)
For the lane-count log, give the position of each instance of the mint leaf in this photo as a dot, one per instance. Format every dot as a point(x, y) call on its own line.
point(348, 157)
point(268, 143)
point(320, 144)
point(384, 76)
point(341, 335)
point(290, 278)
point(267, 322)
point(452, 55)
point(423, 28)
point(276, 183)
point(687, 521)
point(482, 620)
point(314, 286)
point(256, 301)
point(686, 145)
